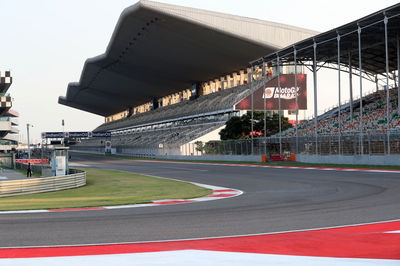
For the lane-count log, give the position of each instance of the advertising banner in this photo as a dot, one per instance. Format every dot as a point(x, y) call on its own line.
point(271, 93)
point(101, 134)
point(82, 134)
point(108, 147)
point(52, 135)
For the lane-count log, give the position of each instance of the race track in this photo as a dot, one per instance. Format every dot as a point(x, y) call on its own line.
point(274, 200)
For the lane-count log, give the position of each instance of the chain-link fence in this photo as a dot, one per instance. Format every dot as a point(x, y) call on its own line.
point(350, 143)
point(355, 143)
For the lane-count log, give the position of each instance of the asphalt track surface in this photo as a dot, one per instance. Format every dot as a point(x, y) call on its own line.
point(274, 200)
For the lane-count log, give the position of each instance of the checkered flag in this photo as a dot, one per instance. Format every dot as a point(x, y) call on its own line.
point(5, 77)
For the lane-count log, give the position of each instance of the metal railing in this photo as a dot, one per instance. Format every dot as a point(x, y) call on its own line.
point(350, 143)
point(76, 179)
point(355, 143)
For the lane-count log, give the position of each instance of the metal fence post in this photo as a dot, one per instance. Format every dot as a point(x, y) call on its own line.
point(369, 142)
point(385, 21)
point(315, 96)
point(297, 102)
point(361, 88)
point(279, 103)
point(339, 96)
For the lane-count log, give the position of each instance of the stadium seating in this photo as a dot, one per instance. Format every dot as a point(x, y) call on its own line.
point(221, 100)
point(172, 125)
point(373, 117)
point(153, 138)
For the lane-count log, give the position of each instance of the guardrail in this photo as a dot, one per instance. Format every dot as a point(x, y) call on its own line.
point(45, 184)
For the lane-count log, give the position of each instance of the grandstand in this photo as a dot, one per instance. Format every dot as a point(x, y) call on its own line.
point(366, 49)
point(182, 91)
point(155, 96)
point(374, 117)
point(174, 125)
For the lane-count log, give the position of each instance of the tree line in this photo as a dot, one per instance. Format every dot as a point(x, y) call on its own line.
point(240, 127)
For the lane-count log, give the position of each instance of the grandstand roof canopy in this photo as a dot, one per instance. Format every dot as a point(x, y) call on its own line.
point(159, 49)
point(373, 53)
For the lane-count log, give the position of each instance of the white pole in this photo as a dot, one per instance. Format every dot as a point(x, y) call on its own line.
point(29, 145)
point(387, 85)
point(315, 97)
point(63, 139)
point(361, 128)
point(339, 96)
point(279, 102)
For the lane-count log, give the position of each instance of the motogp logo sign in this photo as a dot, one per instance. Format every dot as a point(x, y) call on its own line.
point(270, 96)
point(287, 93)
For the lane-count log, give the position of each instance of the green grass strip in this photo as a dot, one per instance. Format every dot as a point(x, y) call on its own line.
point(363, 166)
point(106, 188)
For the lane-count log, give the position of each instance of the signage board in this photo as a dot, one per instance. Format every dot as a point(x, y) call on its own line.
point(81, 134)
point(271, 94)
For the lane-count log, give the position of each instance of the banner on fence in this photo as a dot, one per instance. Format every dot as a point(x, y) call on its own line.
point(32, 161)
point(82, 134)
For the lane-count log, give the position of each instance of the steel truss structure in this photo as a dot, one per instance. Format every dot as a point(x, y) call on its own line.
point(368, 48)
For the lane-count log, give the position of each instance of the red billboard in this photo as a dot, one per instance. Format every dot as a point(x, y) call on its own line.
point(271, 93)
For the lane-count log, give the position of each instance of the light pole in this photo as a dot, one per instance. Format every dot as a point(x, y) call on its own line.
point(29, 145)
point(63, 139)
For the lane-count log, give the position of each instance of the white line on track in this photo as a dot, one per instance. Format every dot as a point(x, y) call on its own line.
point(393, 232)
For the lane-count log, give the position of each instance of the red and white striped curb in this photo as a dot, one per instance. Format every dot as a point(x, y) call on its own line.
point(284, 166)
point(217, 193)
point(355, 245)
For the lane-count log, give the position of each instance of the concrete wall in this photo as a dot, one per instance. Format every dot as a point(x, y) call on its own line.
point(236, 158)
point(356, 159)
point(328, 159)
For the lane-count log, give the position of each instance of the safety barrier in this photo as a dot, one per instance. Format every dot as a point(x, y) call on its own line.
point(76, 179)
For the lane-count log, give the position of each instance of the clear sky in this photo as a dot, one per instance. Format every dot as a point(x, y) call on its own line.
point(45, 43)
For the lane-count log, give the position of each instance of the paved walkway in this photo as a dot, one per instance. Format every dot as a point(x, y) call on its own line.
point(9, 174)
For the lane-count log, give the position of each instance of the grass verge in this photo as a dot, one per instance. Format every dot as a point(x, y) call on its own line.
point(364, 166)
point(105, 188)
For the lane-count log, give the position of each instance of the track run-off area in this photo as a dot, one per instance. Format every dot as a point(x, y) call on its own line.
point(242, 229)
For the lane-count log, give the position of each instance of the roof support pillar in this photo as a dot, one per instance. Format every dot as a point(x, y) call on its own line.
point(278, 72)
point(263, 68)
point(315, 97)
point(297, 94)
point(385, 21)
point(265, 109)
point(252, 110)
point(339, 96)
point(351, 87)
point(361, 128)
point(398, 74)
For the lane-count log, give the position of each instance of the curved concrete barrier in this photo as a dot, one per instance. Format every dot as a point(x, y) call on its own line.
point(76, 179)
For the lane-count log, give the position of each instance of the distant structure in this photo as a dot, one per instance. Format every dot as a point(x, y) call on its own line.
point(172, 76)
point(8, 117)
